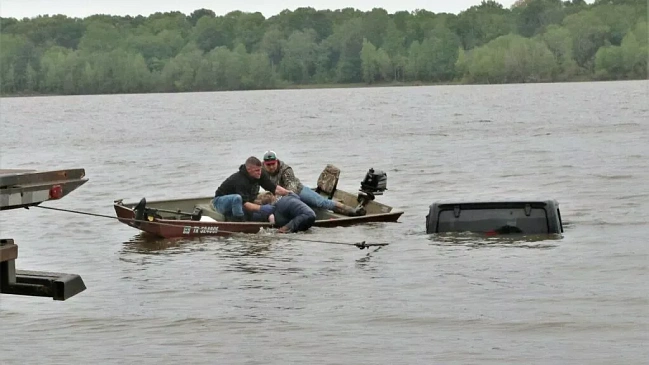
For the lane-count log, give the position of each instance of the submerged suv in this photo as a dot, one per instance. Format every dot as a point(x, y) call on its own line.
point(499, 217)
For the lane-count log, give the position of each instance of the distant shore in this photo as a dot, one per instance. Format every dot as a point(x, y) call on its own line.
point(359, 85)
point(534, 41)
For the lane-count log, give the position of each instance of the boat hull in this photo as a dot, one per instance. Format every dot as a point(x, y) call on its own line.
point(172, 228)
point(169, 225)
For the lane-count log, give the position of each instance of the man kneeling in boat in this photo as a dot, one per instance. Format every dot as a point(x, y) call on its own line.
point(291, 214)
point(235, 196)
point(282, 175)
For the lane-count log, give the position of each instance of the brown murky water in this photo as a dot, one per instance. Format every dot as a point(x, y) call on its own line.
point(423, 299)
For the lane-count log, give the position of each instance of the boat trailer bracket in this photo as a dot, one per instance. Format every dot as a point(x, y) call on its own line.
point(23, 188)
point(58, 286)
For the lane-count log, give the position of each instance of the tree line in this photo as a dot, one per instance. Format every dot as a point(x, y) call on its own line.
point(533, 41)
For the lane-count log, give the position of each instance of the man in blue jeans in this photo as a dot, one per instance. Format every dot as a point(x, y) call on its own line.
point(235, 196)
point(291, 214)
point(282, 175)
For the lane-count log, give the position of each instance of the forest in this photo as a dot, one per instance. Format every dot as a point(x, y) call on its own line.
point(533, 41)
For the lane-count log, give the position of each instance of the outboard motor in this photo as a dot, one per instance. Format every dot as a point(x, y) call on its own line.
point(375, 183)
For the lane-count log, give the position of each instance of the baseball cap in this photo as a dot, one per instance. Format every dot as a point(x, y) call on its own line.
point(270, 157)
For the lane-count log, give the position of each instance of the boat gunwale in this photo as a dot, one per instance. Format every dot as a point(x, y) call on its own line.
point(178, 222)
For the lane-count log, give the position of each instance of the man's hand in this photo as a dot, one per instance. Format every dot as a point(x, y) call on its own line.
point(271, 218)
point(281, 191)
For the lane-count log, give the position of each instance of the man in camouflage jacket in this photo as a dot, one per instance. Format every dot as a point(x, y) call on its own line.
point(282, 175)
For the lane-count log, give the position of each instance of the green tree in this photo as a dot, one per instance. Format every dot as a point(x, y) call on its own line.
point(483, 23)
point(53, 69)
point(199, 13)
point(250, 29)
point(413, 65)
point(101, 37)
point(374, 25)
point(348, 38)
point(443, 55)
point(510, 58)
point(629, 60)
point(48, 30)
point(395, 48)
point(271, 44)
point(174, 20)
point(18, 55)
point(260, 72)
point(300, 59)
point(535, 15)
point(11, 47)
point(304, 18)
point(588, 34)
point(559, 42)
point(619, 19)
point(368, 62)
point(179, 74)
point(208, 34)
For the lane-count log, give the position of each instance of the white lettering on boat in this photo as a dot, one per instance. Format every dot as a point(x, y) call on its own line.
point(200, 229)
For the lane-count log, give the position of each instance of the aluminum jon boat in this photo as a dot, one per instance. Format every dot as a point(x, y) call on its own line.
point(196, 217)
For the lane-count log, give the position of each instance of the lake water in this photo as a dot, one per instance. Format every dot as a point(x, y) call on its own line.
point(580, 299)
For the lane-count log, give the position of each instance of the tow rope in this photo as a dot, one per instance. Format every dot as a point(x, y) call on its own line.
point(361, 245)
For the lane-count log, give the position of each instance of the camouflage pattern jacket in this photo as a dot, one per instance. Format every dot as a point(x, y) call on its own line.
point(285, 178)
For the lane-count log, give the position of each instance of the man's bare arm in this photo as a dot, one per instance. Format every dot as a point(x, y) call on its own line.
point(251, 207)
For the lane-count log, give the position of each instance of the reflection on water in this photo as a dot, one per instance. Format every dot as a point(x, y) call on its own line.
point(239, 253)
point(246, 253)
point(144, 243)
point(364, 261)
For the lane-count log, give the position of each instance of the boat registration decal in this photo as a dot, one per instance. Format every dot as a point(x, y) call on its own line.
point(200, 229)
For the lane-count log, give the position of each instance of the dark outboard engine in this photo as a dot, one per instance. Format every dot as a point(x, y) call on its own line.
point(375, 183)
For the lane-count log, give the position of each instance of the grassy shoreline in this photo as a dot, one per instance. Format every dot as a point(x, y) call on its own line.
point(325, 86)
point(279, 87)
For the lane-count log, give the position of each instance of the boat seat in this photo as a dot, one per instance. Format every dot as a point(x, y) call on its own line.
point(208, 210)
point(328, 180)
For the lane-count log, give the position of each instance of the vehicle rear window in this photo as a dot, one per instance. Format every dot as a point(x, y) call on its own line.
point(483, 220)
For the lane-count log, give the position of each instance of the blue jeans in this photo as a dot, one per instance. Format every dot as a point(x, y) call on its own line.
point(292, 212)
point(315, 200)
point(229, 205)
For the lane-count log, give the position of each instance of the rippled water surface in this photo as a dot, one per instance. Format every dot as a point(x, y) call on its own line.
point(579, 299)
